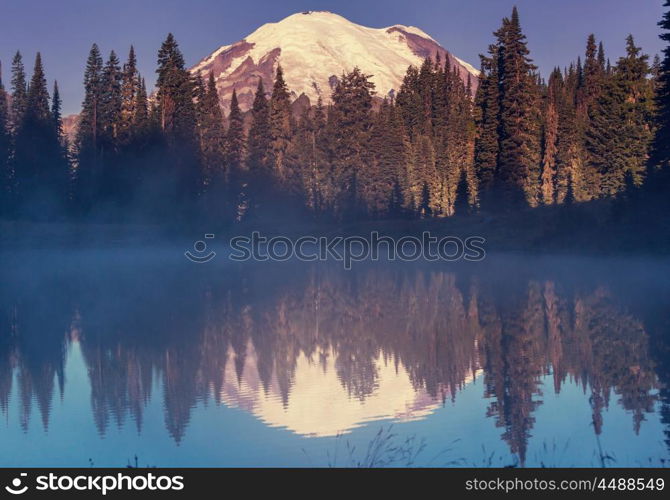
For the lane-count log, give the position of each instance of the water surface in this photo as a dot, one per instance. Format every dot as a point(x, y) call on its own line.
point(110, 354)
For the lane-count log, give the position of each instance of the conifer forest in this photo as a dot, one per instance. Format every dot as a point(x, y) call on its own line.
point(594, 133)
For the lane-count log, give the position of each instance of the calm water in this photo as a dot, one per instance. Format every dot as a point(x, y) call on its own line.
point(107, 355)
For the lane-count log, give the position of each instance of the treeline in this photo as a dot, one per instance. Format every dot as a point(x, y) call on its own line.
point(593, 130)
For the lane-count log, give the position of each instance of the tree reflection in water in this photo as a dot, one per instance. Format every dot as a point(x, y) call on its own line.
point(320, 351)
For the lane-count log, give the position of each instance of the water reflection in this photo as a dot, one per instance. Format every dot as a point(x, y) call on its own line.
point(320, 351)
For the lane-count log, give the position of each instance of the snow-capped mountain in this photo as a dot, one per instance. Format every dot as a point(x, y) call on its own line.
point(314, 49)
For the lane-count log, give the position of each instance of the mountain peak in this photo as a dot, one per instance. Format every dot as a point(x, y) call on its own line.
point(315, 48)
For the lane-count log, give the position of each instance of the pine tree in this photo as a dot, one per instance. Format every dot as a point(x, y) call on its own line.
point(395, 158)
point(593, 75)
point(377, 177)
point(178, 120)
point(351, 115)
point(280, 130)
point(212, 138)
point(550, 138)
point(620, 129)
point(5, 151)
point(458, 137)
point(57, 119)
point(569, 141)
point(235, 153)
point(661, 156)
point(410, 103)
point(258, 142)
point(88, 172)
point(111, 102)
point(141, 111)
point(303, 158)
point(40, 171)
point(130, 86)
point(462, 203)
point(19, 92)
point(519, 156)
point(487, 105)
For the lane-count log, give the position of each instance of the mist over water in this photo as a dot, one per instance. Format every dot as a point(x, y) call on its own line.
point(111, 352)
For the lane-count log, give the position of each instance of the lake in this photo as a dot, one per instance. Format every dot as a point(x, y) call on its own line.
point(118, 356)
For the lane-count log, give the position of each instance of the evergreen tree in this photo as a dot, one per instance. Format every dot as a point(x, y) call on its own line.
point(88, 172)
point(261, 175)
point(569, 141)
point(462, 203)
point(5, 152)
point(235, 146)
point(395, 159)
point(235, 153)
point(178, 120)
point(130, 87)
point(141, 111)
point(661, 157)
point(377, 176)
point(309, 157)
point(212, 139)
point(410, 103)
point(351, 115)
point(550, 138)
point(111, 102)
point(40, 171)
point(57, 118)
point(280, 130)
point(258, 142)
point(519, 156)
point(487, 105)
point(620, 129)
point(19, 92)
point(593, 74)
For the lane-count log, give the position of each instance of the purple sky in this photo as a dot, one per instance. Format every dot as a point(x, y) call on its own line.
point(64, 31)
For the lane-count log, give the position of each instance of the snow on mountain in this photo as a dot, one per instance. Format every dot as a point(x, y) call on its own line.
point(314, 49)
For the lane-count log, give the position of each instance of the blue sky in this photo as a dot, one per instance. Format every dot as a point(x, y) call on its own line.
point(64, 31)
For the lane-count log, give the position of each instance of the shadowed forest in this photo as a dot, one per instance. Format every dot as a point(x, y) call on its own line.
point(583, 148)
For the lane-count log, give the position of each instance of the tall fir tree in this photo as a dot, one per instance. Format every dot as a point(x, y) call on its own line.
point(569, 140)
point(235, 154)
point(5, 152)
point(261, 176)
point(487, 115)
point(212, 138)
point(40, 171)
point(130, 86)
point(593, 75)
point(110, 124)
point(351, 115)
point(661, 155)
point(550, 138)
point(111, 102)
point(280, 130)
point(178, 120)
point(621, 123)
point(19, 92)
point(88, 171)
point(141, 106)
point(63, 156)
point(519, 156)
point(258, 142)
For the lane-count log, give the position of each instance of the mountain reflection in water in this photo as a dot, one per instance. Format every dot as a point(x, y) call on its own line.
point(318, 351)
